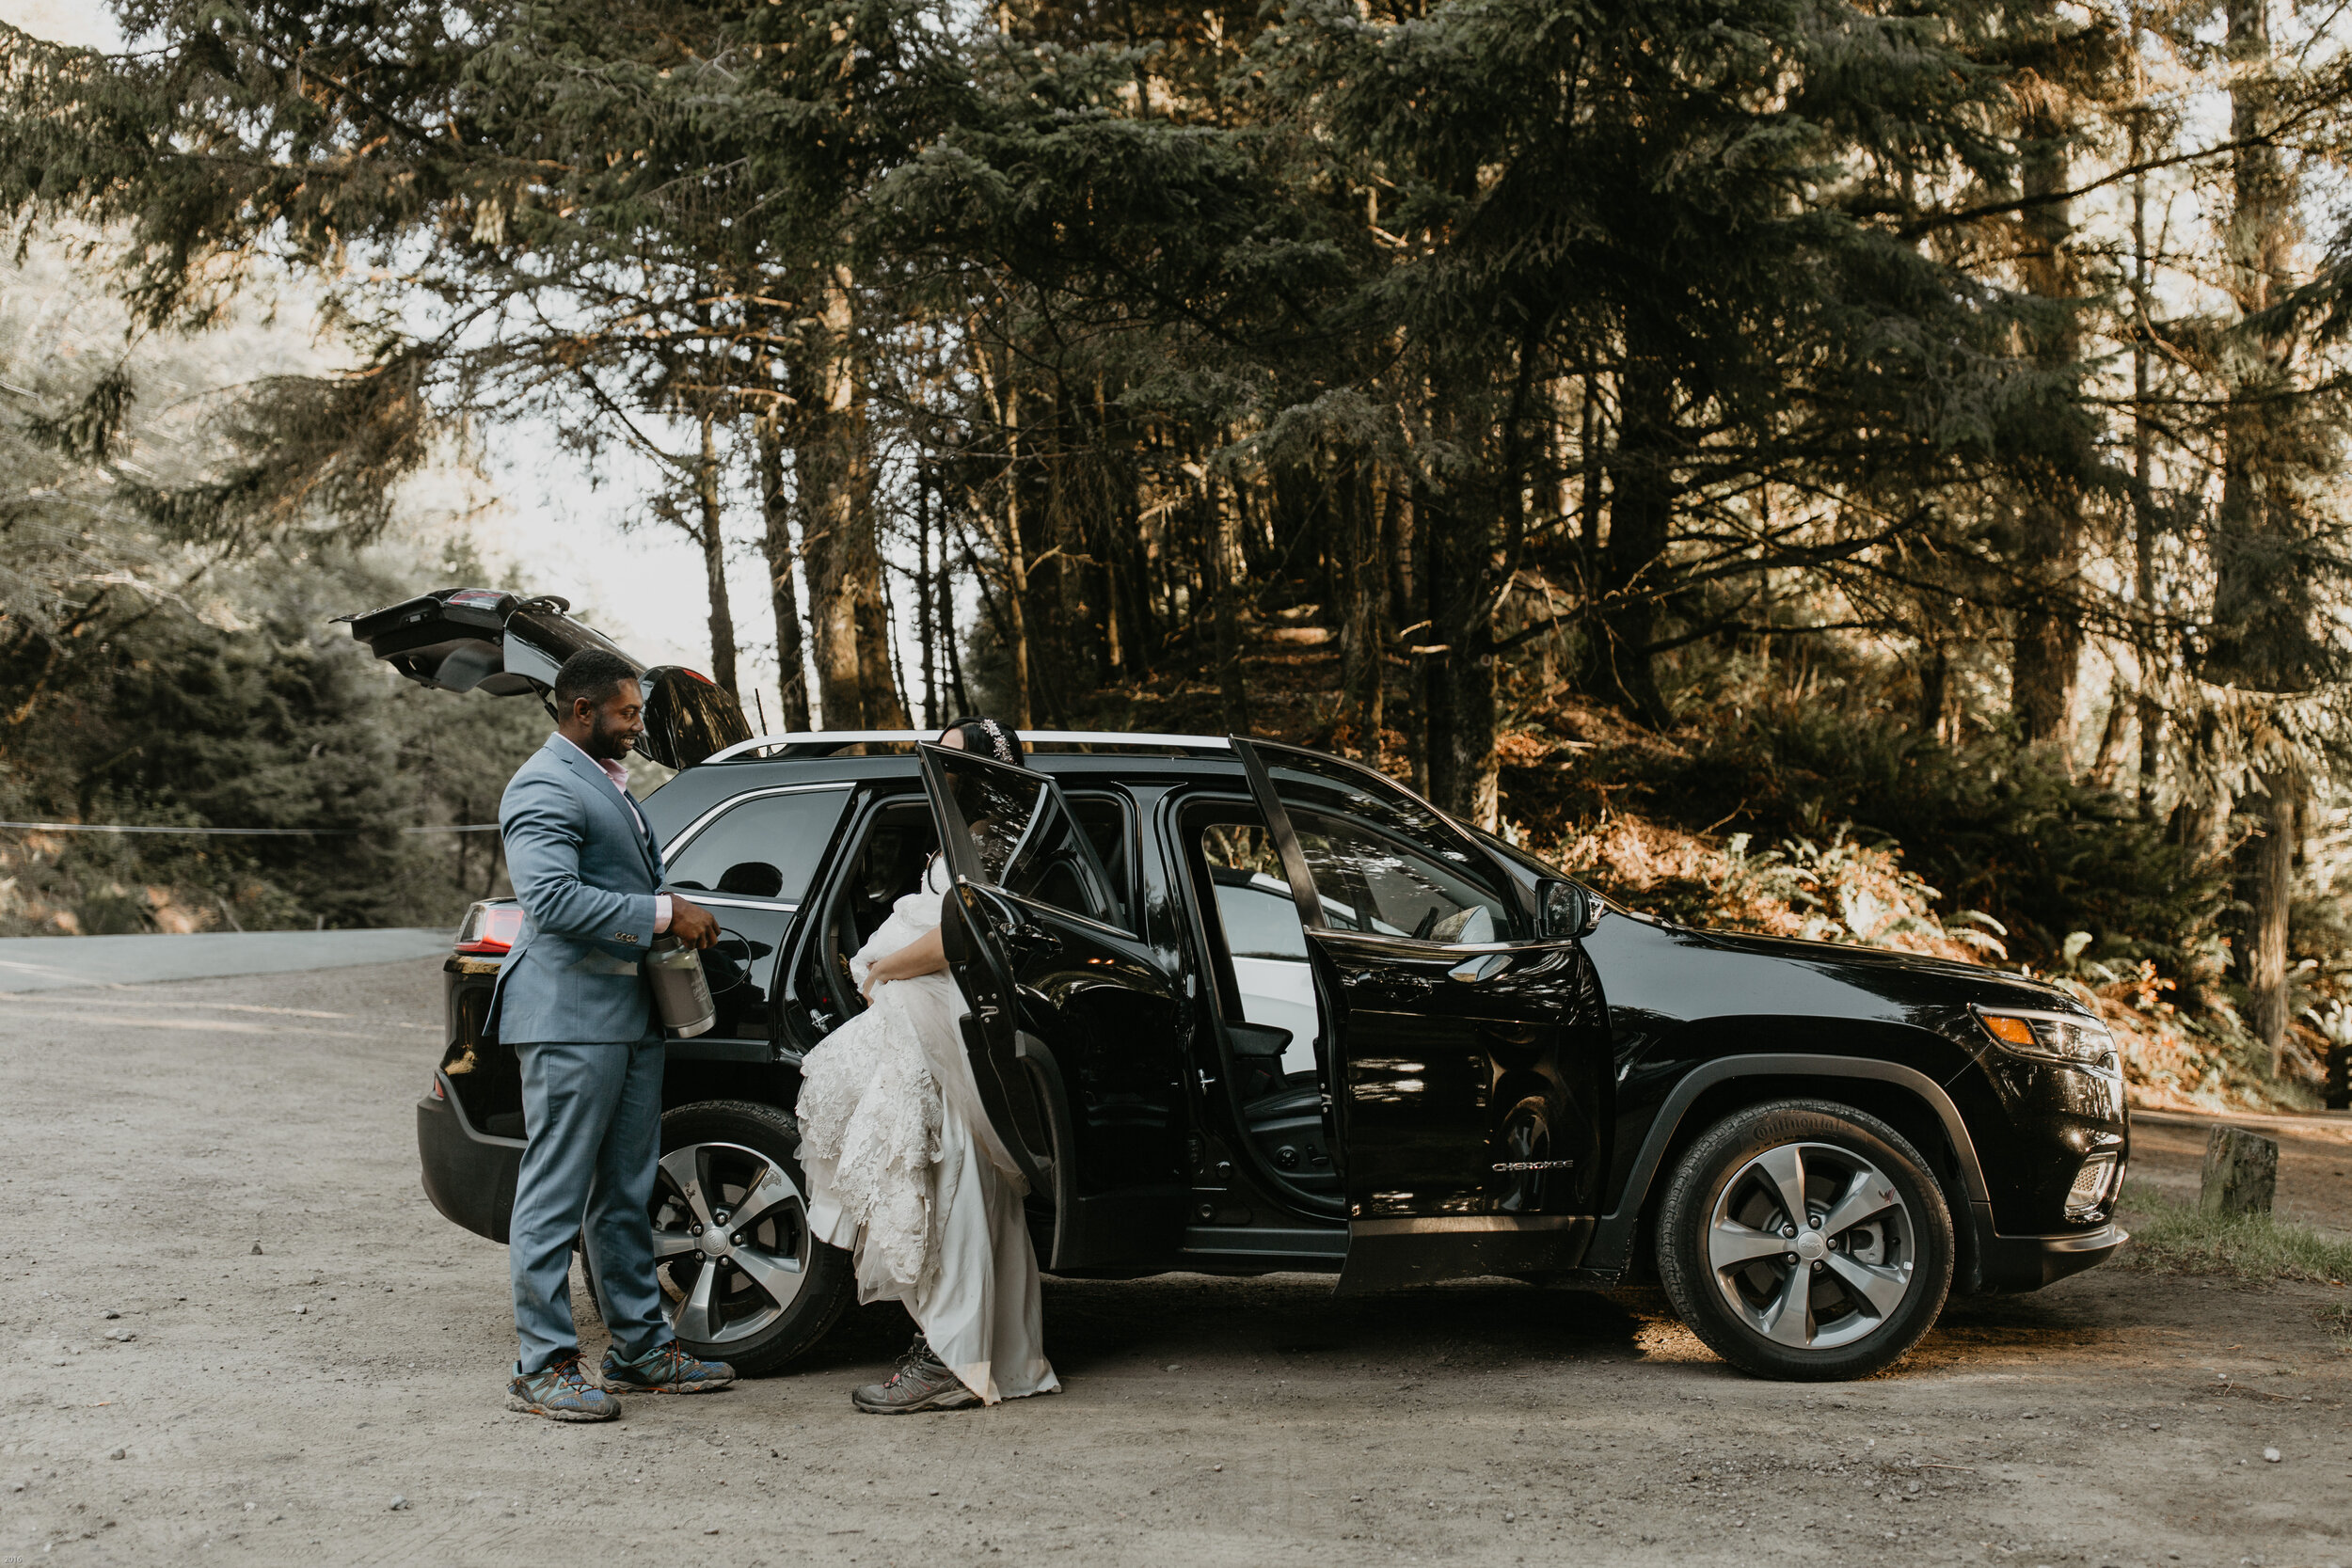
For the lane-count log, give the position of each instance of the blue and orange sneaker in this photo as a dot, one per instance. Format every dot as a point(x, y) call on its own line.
point(559, 1391)
point(666, 1369)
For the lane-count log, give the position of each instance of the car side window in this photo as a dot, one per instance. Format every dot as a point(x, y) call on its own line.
point(763, 846)
point(1369, 881)
point(1020, 834)
point(1254, 902)
point(1105, 820)
point(1381, 861)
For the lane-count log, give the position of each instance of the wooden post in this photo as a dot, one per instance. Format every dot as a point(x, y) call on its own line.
point(2241, 1172)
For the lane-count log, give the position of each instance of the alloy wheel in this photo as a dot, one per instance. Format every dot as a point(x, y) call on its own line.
point(1811, 1246)
point(731, 1242)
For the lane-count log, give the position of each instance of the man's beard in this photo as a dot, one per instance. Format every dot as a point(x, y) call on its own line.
point(608, 741)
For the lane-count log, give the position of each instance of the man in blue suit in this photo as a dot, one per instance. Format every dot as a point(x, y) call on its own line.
point(573, 1003)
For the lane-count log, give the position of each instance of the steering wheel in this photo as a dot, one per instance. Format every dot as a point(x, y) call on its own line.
point(1428, 924)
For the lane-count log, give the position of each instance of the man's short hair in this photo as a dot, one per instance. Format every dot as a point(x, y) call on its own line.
point(594, 674)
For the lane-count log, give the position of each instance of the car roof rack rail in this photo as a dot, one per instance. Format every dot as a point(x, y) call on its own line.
point(818, 743)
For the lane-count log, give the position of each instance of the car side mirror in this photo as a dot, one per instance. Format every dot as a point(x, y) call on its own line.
point(1568, 910)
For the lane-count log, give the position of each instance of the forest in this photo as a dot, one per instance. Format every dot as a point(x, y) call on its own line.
point(1866, 472)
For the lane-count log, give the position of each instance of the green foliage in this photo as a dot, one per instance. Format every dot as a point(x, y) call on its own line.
point(160, 675)
point(2181, 1238)
point(1998, 829)
point(283, 723)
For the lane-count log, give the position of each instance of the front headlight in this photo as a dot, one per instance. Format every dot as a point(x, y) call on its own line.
point(2051, 1036)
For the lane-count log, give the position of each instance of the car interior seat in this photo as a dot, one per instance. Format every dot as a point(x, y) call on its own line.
point(890, 865)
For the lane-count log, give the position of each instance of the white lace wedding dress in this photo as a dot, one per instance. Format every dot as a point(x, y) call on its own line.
point(905, 1171)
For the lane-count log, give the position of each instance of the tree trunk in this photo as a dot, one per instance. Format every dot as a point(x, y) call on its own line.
point(1221, 531)
point(2269, 856)
point(2241, 1173)
point(776, 508)
point(2049, 639)
point(880, 696)
point(2263, 608)
point(1016, 563)
point(836, 509)
point(714, 546)
point(1641, 514)
point(2149, 703)
point(925, 621)
point(1935, 678)
point(1356, 589)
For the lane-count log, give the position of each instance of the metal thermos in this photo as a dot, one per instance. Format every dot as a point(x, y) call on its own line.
point(681, 996)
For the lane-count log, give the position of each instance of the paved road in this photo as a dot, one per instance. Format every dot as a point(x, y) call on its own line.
point(269, 1405)
point(59, 963)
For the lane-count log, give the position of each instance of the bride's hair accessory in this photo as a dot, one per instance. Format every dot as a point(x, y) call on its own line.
point(990, 738)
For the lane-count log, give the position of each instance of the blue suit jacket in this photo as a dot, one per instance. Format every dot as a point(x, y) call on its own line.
point(586, 876)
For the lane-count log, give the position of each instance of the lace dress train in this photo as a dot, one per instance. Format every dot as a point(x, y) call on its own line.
point(905, 1172)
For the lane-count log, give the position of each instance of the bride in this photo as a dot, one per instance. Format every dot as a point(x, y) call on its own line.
point(905, 1171)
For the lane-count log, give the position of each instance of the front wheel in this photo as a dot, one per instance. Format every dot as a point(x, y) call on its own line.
point(742, 1278)
point(1806, 1239)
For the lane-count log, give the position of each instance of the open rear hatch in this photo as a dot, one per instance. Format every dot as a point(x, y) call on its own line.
point(482, 639)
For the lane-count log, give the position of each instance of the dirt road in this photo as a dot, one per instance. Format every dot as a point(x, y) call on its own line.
point(336, 1397)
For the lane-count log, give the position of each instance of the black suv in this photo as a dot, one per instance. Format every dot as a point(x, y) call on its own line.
point(1241, 1007)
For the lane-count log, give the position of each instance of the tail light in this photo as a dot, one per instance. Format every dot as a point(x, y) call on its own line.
point(434, 1088)
point(490, 928)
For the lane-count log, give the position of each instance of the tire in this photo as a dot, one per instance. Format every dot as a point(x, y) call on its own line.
point(1874, 1247)
point(769, 1291)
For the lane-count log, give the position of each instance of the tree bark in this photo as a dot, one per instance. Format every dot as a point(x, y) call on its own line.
point(1641, 515)
point(926, 620)
point(2150, 700)
point(1936, 679)
point(2047, 652)
point(2241, 1172)
point(880, 696)
point(713, 539)
point(783, 597)
point(2269, 856)
point(1356, 578)
point(1016, 563)
point(836, 507)
point(1222, 532)
point(2263, 609)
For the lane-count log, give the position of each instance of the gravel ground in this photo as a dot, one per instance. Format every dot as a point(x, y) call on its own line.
point(334, 1396)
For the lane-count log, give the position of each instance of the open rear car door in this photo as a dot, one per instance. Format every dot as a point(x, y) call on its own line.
point(482, 640)
point(1464, 1048)
point(1073, 1033)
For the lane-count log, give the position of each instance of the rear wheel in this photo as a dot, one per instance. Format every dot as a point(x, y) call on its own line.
point(743, 1279)
point(1806, 1239)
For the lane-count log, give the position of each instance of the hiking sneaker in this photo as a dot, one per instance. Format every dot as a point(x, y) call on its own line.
point(666, 1370)
point(922, 1382)
point(561, 1391)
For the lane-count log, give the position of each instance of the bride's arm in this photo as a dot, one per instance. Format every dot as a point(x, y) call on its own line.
point(923, 956)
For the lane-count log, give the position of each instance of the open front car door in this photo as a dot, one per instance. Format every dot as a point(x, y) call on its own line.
point(1073, 1033)
point(1464, 1049)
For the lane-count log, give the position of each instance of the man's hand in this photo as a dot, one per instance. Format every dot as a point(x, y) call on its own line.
point(692, 923)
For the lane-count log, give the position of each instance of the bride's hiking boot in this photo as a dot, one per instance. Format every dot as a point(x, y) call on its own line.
point(559, 1391)
point(922, 1382)
point(666, 1370)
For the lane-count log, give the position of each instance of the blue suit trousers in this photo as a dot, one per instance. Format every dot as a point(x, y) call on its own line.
point(592, 1116)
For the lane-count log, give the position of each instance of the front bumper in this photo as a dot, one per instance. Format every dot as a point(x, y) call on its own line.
point(2012, 1263)
point(469, 1176)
